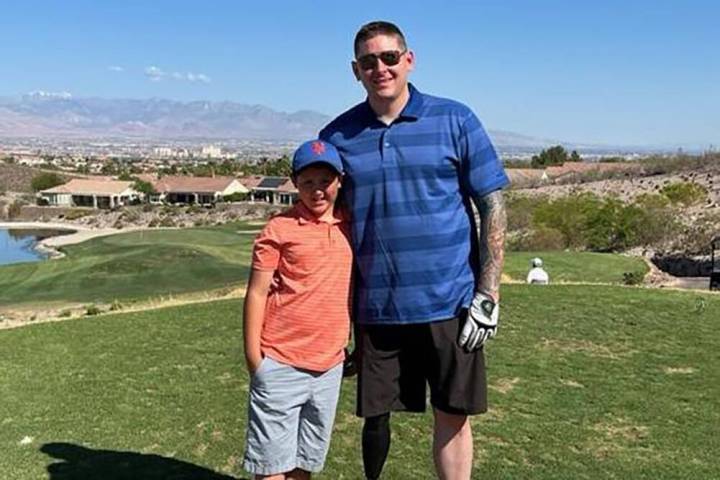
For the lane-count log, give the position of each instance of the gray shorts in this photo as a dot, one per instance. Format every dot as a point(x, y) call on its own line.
point(290, 417)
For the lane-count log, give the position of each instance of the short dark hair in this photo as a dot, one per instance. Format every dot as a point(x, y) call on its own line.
point(373, 29)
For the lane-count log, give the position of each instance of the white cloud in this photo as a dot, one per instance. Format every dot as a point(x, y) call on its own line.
point(157, 74)
point(45, 94)
point(116, 68)
point(154, 73)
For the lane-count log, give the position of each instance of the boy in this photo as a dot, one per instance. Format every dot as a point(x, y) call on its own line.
point(296, 323)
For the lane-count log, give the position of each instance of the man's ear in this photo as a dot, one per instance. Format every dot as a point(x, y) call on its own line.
point(410, 59)
point(355, 70)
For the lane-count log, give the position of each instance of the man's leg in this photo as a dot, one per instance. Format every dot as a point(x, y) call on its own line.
point(452, 446)
point(375, 445)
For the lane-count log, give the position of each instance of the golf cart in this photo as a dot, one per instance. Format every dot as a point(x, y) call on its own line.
point(715, 264)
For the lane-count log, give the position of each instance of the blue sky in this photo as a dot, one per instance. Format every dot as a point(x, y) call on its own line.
point(615, 72)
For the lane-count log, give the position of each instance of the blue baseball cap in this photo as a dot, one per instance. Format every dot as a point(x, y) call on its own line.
point(316, 151)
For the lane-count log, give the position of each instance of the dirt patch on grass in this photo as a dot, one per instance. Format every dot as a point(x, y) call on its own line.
point(22, 315)
point(584, 346)
point(571, 383)
point(504, 385)
point(679, 370)
point(617, 435)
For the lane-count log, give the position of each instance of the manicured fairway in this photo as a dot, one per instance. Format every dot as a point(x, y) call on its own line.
point(133, 266)
point(153, 263)
point(588, 382)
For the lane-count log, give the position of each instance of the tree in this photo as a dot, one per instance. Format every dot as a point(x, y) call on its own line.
point(556, 155)
point(575, 157)
point(144, 187)
point(45, 180)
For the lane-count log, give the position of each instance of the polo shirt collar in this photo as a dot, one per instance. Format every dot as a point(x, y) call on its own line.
point(305, 216)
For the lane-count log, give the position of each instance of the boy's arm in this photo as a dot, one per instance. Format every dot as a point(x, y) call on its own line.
point(254, 315)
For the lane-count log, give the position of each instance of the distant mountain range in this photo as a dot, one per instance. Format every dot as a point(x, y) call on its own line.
point(42, 114)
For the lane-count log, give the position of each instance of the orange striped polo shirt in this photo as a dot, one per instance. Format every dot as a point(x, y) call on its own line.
point(307, 315)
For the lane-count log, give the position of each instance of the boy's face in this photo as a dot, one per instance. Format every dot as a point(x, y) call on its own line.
point(318, 187)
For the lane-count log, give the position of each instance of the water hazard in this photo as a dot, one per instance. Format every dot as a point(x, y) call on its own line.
point(18, 245)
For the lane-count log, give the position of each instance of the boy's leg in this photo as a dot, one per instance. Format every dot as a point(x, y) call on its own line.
point(316, 419)
point(298, 474)
point(277, 395)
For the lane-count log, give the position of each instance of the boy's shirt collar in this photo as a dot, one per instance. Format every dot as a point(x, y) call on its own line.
point(305, 216)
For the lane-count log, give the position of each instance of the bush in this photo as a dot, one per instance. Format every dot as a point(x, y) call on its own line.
point(14, 210)
point(115, 306)
point(633, 278)
point(45, 180)
point(585, 221)
point(167, 222)
point(235, 197)
point(75, 214)
point(541, 238)
point(685, 193)
point(92, 310)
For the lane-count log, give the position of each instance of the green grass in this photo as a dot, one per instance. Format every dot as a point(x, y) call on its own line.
point(133, 266)
point(141, 265)
point(588, 382)
point(575, 266)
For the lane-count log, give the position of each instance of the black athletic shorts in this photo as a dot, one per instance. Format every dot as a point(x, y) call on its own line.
point(397, 362)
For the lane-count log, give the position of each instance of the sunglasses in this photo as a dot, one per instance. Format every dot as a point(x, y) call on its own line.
point(388, 57)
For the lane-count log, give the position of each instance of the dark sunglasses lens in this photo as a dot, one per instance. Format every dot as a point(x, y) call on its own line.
point(390, 58)
point(367, 62)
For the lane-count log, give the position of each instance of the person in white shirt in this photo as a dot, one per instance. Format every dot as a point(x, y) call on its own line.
point(536, 273)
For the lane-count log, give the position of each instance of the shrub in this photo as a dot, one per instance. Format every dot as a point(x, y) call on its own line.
point(167, 222)
point(92, 310)
point(115, 305)
point(65, 313)
point(14, 210)
point(75, 214)
point(235, 197)
point(45, 180)
point(633, 278)
point(684, 193)
point(541, 238)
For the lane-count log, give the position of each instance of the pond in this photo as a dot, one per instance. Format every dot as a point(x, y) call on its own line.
point(18, 245)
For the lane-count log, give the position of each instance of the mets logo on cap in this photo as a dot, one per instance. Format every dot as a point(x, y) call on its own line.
point(318, 147)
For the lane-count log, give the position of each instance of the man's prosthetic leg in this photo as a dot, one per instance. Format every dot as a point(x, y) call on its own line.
point(375, 444)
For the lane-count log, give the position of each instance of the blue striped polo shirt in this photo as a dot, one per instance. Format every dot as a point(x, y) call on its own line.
point(408, 186)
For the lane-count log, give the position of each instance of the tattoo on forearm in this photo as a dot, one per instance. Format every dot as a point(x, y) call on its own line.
point(493, 224)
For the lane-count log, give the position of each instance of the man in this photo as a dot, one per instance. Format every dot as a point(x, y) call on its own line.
point(537, 274)
point(427, 288)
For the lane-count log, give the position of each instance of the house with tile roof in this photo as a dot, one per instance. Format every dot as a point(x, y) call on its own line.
point(90, 192)
point(273, 190)
point(193, 190)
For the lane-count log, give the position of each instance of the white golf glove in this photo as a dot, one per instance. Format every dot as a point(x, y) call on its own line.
point(481, 323)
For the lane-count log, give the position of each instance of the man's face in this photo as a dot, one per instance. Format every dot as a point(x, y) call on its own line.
point(383, 82)
point(318, 188)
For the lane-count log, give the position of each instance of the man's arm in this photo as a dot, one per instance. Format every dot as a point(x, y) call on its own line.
point(491, 208)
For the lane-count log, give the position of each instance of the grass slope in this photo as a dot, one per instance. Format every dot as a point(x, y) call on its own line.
point(139, 265)
point(133, 266)
point(586, 267)
point(587, 382)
